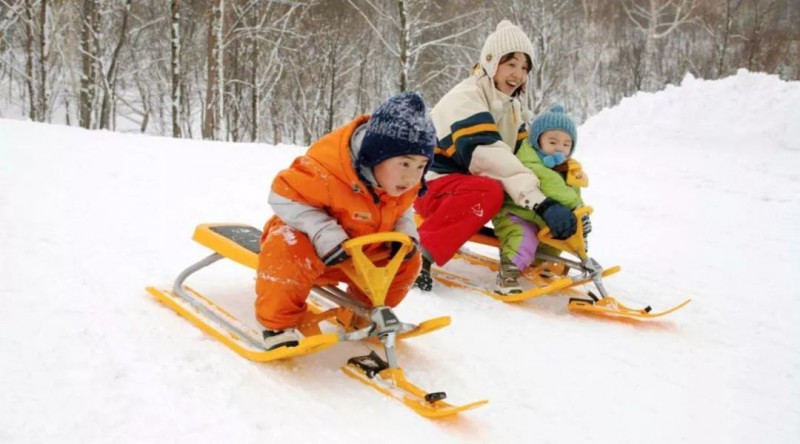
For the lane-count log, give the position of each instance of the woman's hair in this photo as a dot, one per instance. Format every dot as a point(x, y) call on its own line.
point(510, 55)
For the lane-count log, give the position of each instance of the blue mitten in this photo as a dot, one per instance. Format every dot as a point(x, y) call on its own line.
point(560, 219)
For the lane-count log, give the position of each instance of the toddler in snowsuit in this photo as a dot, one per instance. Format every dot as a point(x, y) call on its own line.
point(548, 153)
point(360, 179)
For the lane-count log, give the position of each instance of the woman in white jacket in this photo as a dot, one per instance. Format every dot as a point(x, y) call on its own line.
point(480, 124)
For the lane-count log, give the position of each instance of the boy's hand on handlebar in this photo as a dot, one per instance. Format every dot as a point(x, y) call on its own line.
point(335, 257)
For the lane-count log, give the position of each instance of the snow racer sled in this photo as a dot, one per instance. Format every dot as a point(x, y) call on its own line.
point(552, 275)
point(353, 320)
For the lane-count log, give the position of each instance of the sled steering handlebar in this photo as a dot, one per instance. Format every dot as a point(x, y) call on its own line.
point(373, 280)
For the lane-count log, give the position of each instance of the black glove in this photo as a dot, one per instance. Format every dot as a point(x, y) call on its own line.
point(394, 247)
point(335, 256)
point(587, 224)
point(560, 219)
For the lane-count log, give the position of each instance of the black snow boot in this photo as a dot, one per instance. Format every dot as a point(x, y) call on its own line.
point(424, 280)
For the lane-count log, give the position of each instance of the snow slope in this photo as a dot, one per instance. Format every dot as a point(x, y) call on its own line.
point(695, 190)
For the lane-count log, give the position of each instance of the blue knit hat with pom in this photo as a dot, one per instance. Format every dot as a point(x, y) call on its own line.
point(554, 119)
point(400, 126)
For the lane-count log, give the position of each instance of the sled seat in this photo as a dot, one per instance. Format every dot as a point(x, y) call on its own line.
point(237, 242)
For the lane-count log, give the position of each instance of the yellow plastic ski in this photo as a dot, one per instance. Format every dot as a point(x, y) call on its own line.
point(392, 382)
point(456, 280)
point(610, 307)
point(545, 286)
point(349, 321)
point(230, 331)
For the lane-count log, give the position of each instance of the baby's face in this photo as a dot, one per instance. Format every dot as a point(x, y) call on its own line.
point(555, 141)
point(399, 174)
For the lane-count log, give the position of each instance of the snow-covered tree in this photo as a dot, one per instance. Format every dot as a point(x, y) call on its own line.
point(175, 64)
point(408, 31)
point(656, 19)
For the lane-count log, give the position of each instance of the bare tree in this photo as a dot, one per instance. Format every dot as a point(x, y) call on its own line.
point(288, 71)
point(34, 20)
point(731, 8)
point(215, 86)
point(760, 10)
point(544, 22)
point(656, 19)
point(175, 64)
point(89, 56)
point(30, 56)
point(110, 79)
point(408, 29)
point(43, 53)
point(719, 22)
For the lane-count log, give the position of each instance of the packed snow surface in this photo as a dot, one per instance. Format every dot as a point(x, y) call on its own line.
point(695, 190)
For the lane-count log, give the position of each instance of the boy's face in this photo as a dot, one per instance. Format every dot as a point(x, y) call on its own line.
point(554, 141)
point(511, 74)
point(396, 175)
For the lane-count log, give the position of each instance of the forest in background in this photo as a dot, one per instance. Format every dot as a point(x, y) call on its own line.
point(289, 71)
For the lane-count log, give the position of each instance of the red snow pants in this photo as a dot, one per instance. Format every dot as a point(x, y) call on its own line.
point(455, 207)
point(288, 266)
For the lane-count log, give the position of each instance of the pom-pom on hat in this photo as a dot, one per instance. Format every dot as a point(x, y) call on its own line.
point(400, 126)
point(554, 119)
point(507, 38)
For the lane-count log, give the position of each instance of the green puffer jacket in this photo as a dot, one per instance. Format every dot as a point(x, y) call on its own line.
point(551, 183)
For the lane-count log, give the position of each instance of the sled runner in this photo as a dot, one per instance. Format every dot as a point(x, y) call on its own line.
point(553, 275)
point(355, 321)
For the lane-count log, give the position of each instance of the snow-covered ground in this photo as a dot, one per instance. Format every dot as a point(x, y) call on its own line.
point(695, 190)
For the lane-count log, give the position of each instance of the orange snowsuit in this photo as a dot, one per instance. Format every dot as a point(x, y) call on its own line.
point(324, 179)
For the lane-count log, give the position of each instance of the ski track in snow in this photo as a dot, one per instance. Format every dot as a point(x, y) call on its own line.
point(695, 191)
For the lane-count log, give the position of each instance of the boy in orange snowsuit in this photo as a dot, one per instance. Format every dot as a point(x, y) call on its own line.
point(361, 178)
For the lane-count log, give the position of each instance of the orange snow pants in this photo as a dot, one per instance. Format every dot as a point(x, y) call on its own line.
point(288, 266)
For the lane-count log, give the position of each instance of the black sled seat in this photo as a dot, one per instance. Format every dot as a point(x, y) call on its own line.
point(237, 242)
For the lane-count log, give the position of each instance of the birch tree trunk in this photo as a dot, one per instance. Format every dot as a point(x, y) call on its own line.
point(110, 81)
point(175, 64)
point(404, 42)
point(215, 80)
point(730, 13)
point(44, 96)
point(89, 50)
point(29, 60)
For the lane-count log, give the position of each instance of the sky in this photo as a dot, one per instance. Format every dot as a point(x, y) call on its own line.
point(695, 190)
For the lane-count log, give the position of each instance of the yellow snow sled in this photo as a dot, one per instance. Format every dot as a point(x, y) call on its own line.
point(554, 275)
point(356, 322)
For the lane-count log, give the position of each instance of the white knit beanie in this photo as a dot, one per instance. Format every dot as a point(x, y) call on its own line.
point(507, 38)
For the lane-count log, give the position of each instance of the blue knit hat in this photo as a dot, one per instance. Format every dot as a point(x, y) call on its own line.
point(400, 126)
point(555, 119)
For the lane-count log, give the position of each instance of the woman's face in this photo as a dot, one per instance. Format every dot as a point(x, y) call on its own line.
point(512, 73)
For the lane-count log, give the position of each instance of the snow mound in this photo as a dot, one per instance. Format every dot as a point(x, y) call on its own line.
point(720, 114)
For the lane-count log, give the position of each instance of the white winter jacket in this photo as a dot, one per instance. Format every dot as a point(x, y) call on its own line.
point(478, 130)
